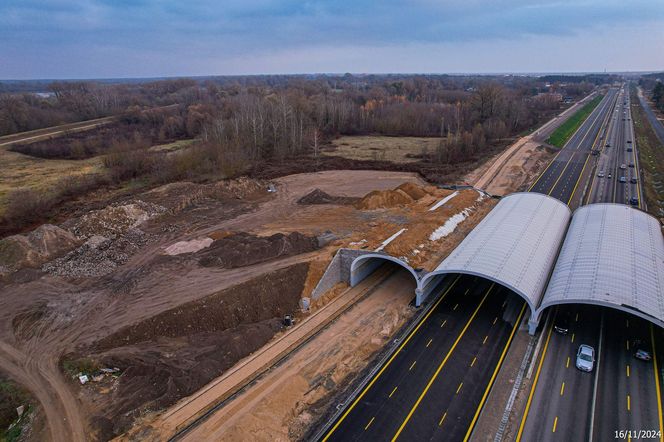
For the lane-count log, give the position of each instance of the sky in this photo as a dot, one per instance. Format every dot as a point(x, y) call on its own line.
point(157, 38)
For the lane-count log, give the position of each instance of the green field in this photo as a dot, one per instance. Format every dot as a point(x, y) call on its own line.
point(560, 136)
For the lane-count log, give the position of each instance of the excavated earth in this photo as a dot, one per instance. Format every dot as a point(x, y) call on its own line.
point(171, 287)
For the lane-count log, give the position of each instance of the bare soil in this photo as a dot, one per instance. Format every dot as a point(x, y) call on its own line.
point(51, 317)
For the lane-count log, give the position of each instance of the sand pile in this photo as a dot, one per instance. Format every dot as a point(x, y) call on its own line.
point(413, 190)
point(383, 199)
point(31, 250)
point(243, 249)
point(115, 220)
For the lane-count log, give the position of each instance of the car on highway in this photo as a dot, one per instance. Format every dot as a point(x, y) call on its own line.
point(631, 165)
point(562, 323)
point(610, 176)
point(623, 167)
point(629, 141)
point(622, 179)
point(632, 180)
point(601, 174)
point(634, 201)
point(640, 351)
point(585, 358)
point(629, 149)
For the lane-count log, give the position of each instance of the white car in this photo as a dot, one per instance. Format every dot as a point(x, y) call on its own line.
point(601, 174)
point(585, 358)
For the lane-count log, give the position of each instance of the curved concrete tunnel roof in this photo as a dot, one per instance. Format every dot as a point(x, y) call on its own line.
point(515, 245)
point(613, 255)
point(610, 255)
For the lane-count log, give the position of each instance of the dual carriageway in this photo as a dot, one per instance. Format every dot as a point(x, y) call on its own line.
point(434, 386)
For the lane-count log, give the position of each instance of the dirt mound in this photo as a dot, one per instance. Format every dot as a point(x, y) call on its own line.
point(317, 196)
point(243, 249)
point(98, 256)
point(177, 197)
point(175, 353)
point(116, 219)
point(413, 190)
point(382, 199)
point(31, 250)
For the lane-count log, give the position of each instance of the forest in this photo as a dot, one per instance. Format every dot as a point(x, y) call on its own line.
point(242, 123)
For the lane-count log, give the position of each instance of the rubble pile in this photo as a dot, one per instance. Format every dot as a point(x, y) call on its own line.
point(98, 256)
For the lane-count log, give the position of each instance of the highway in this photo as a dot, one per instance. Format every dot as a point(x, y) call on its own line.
point(435, 385)
point(441, 370)
point(561, 178)
point(622, 393)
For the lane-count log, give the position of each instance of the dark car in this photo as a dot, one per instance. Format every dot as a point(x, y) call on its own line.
point(634, 201)
point(631, 165)
point(629, 149)
point(632, 180)
point(629, 141)
point(562, 324)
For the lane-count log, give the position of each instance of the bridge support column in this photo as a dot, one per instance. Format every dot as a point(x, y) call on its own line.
point(532, 326)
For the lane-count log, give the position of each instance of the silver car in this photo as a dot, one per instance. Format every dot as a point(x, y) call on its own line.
point(585, 358)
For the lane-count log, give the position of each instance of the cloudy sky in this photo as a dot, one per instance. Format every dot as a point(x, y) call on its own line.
point(149, 38)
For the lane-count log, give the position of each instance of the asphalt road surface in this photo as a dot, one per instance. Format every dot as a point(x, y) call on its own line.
point(426, 390)
point(622, 392)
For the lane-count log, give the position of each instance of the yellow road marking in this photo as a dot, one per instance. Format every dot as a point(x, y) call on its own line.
point(629, 408)
point(473, 362)
point(495, 373)
point(442, 364)
point(495, 320)
point(627, 370)
point(572, 337)
point(555, 424)
point(656, 371)
point(442, 419)
point(562, 389)
point(369, 424)
point(395, 389)
point(467, 290)
point(443, 324)
point(576, 318)
point(485, 338)
point(373, 381)
point(455, 307)
point(627, 344)
point(459, 388)
point(429, 343)
point(537, 374)
point(627, 323)
point(412, 365)
point(547, 168)
point(567, 365)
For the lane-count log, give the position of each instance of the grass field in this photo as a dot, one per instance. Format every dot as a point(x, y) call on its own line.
point(560, 136)
point(395, 149)
point(651, 158)
point(20, 170)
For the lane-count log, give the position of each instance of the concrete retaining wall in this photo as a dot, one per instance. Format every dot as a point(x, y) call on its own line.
point(338, 271)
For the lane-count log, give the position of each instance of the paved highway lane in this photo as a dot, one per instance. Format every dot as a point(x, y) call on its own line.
point(561, 178)
point(458, 343)
point(626, 396)
point(625, 389)
point(561, 400)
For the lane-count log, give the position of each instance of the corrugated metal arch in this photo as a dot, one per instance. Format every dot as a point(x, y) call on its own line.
point(515, 245)
point(613, 256)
